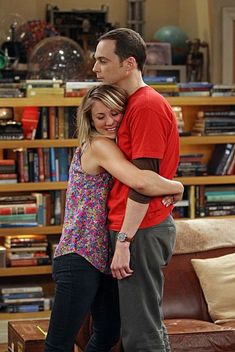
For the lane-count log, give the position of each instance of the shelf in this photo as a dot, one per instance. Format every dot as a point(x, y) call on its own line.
point(207, 139)
point(38, 143)
point(206, 180)
point(191, 101)
point(62, 101)
point(26, 270)
point(40, 101)
point(33, 186)
point(31, 315)
point(59, 143)
point(37, 230)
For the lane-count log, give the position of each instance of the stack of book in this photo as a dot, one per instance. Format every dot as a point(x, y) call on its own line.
point(214, 122)
point(222, 160)
point(8, 171)
point(18, 210)
point(11, 130)
point(191, 165)
point(220, 90)
point(44, 87)
point(179, 118)
point(166, 86)
point(23, 299)
point(219, 200)
point(190, 89)
point(78, 89)
point(27, 250)
point(181, 209)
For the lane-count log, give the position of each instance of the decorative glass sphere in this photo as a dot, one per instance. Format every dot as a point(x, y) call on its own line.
point(57, 58)
point(177, 38)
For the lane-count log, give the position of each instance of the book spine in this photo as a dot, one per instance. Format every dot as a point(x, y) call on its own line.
point(29, 262)
point(52, 164)
point(41, 169)
point(14, 210)
point(20, 289)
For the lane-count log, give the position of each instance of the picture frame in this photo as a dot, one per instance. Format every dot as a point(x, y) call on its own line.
point(158, 53)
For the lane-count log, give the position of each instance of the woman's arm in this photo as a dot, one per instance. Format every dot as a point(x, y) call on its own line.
point(149, 183)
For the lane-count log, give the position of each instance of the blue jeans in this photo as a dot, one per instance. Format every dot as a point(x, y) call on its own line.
point(80, 289)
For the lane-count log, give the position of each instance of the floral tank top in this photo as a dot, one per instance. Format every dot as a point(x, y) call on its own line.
point(85, 223)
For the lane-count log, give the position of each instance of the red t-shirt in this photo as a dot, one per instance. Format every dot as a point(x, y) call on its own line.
point(148, 130)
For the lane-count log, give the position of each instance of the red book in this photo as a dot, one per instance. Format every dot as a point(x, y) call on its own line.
point(22, 209)
point(8, 176)
point(41, 165)
point(52, 122)
point(7, 162)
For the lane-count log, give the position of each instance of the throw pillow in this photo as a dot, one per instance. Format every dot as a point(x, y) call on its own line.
point(217, 279)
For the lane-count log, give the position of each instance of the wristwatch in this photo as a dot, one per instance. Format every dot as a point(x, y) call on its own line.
point(122, 237)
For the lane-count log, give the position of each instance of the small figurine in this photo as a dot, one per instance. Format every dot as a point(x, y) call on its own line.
point(195, 60)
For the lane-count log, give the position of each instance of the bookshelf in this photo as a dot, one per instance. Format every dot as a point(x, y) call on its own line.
point(41, 274)
point(203, 144)
point(188, 144)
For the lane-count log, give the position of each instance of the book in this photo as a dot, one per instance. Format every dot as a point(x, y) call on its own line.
point(219, 158)
point(18, 224)
point(52, 164)
point(44, 91)
point(2, 257)
point(30, 249)
point(18, 209)
point(52, 122)
point(18, 218)
point(29, 262)
point(20, 295)
point(19, 289)
point(216, 113)
point(7, 162)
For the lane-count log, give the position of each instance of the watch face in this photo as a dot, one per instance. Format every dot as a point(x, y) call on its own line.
point(121, 236)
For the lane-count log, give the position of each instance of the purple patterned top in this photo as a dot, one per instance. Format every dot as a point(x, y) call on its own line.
point(85, 231)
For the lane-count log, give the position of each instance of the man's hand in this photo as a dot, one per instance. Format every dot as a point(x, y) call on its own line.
point(120, 265)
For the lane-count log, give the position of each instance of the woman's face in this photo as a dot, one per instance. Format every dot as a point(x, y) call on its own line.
point(105, 120)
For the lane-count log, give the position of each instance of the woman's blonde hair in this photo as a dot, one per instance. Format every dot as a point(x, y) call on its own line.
point(113, 97)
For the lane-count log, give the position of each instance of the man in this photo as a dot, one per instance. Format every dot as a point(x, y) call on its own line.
point(142, 229)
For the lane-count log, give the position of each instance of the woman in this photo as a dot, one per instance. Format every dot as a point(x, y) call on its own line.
point(81, 267)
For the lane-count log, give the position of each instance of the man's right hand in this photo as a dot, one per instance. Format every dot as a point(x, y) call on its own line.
point(120, 265)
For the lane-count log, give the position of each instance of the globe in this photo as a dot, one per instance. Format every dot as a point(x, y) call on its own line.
point(57, 58)
point(177, 38)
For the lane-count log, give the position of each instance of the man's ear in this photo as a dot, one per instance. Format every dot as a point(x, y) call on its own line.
point(131, 63)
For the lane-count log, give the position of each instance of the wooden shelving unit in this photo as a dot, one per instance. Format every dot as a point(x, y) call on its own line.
point(204, 144)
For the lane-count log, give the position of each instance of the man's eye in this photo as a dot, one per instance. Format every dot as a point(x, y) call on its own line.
point(103, 61)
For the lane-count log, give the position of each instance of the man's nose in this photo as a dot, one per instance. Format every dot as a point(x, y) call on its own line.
point(95, 67)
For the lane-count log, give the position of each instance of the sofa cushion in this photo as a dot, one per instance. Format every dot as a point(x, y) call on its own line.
point(199, 336)
point(217, 279)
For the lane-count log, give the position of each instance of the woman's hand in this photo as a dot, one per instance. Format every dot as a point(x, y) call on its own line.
point(172, 199)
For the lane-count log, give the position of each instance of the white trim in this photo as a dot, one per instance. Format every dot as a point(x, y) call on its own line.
point(228, 40)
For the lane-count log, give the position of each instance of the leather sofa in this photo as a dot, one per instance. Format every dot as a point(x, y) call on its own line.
point(187, 320)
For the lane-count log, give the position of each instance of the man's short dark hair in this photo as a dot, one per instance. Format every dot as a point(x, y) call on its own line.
point(128, 43)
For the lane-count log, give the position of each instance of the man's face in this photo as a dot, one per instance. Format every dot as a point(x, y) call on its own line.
point(108, 68)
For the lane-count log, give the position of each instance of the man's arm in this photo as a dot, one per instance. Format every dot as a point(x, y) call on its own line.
point(134, 215)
